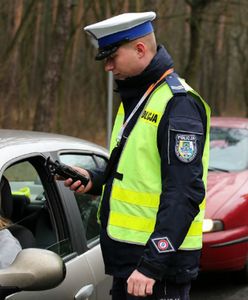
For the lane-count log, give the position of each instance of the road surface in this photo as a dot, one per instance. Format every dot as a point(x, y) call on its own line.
point(220, 286)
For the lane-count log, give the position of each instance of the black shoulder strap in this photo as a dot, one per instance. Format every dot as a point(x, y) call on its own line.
point(175, 85)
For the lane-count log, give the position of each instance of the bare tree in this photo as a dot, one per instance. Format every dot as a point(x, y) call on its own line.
point(48, 74)
point(45, 110)
point(241, 41)
point(197, 10)
point(10, 76)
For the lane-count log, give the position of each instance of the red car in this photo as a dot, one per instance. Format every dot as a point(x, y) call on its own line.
point(225, 227)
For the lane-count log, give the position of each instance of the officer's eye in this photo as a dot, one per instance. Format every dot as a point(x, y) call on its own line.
point(110, 58)
point(113, 55)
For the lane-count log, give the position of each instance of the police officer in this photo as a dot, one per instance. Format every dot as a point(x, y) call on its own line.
point(153, 200)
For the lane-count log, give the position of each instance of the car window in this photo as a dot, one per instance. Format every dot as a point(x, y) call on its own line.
point(33, 210)
point(24, 179)
point(228, 149)
point(87, 203)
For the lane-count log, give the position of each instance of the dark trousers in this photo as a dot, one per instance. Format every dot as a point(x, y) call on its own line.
point(161, 291)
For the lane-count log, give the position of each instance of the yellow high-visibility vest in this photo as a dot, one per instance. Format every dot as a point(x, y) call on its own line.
point(134, 200)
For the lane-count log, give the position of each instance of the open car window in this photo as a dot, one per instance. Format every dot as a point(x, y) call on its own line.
point(87, 203)
point(33, 210)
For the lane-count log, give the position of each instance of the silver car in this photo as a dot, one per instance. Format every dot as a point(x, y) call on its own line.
point(46, 215)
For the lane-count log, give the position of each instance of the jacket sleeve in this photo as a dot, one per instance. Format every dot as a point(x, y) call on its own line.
point(182, 186)
point(97, 178)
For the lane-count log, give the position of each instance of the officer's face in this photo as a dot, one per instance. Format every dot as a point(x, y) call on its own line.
point(125, 62)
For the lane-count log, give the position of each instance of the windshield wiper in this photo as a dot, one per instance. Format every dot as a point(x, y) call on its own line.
point(218, 169)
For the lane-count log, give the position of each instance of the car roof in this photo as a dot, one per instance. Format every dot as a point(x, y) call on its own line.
point(16, 143)
point(233, 122)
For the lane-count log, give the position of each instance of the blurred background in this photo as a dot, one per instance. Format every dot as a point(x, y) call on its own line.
point(49, 80)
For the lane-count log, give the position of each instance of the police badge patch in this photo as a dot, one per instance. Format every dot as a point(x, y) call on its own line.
point(186, 148)
point(163, 244)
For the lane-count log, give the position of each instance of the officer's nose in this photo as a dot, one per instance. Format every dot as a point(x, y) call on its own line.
point(109, 64)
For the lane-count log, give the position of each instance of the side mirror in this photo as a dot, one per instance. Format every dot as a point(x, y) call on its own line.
point(32, 270)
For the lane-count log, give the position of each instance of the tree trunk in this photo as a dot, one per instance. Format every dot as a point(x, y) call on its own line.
point(46, 107)
point(191, 72)
point(13, 75)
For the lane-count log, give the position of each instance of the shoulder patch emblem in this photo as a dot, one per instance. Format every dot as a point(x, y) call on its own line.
point(163, 245)
point(185, 147)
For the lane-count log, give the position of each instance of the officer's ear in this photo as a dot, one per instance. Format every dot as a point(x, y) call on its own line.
point(140, 48)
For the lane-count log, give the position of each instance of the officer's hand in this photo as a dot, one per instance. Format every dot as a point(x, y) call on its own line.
point(77, 185)
point(139, 285)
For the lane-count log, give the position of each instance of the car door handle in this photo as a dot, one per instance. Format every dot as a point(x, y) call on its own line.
point(85, 292)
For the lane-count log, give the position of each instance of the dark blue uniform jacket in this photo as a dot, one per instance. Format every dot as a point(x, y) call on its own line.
point(182, 185)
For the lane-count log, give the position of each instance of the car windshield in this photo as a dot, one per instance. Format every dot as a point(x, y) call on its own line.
point(228, 149)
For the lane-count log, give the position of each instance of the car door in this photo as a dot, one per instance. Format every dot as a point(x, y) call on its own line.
point(61, 222)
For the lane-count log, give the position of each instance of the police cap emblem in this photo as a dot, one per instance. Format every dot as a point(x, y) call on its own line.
point(185, 147)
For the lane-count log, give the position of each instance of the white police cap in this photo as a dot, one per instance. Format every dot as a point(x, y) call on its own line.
point(113, 32)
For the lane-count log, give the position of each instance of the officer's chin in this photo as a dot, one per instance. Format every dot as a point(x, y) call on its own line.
point(119, 77)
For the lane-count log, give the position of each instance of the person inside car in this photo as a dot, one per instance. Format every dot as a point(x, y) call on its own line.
point(9, 245)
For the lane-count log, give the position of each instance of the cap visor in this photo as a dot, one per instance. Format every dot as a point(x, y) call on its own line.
point(105, 53)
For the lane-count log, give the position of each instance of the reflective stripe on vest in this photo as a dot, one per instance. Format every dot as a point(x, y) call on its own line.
point(134, 200)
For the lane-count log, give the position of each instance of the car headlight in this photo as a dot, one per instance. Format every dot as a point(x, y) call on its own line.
point(210, 225)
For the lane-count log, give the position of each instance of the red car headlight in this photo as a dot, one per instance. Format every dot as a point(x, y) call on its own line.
point(210, 225)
